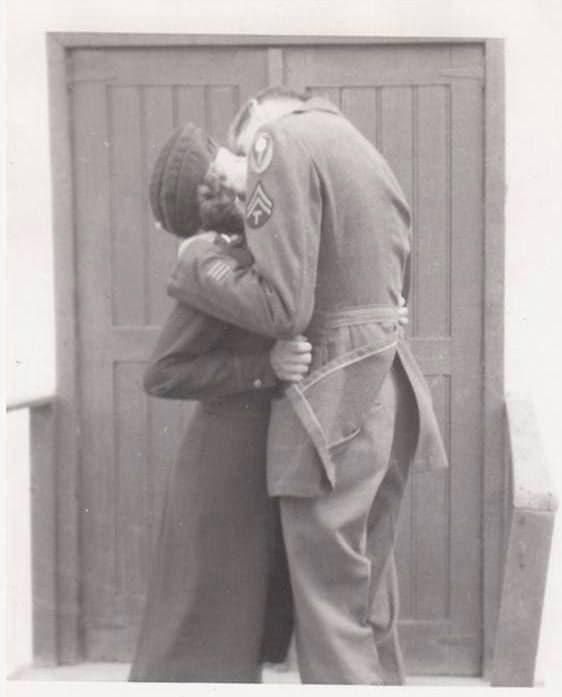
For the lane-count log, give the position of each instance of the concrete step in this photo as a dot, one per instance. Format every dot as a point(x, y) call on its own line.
point(117, 672)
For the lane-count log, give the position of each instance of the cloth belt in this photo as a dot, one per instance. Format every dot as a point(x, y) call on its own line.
point(325, 320)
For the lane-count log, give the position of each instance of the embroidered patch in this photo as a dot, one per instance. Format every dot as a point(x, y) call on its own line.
point(261, 153)
point(218, 270)
point(259, 207)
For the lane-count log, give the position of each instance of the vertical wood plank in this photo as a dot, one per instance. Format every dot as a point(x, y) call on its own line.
point(297, 73)
point(97, 466)
point(466, 415)
point(433, 267)
point(133, 484)
point(431, 523)
point(189, 105)
point(128, 204)
point(403, 554)
point(397, 135)
point(495, 479)
point(396, 140)
point(161, 246)
point(275, 67)
point(431, 545)
point(359, 105)
point(332, 94)
point(221, 104)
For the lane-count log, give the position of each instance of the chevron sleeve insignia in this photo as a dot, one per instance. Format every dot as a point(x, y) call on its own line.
point(259, 207)
point(219, 270)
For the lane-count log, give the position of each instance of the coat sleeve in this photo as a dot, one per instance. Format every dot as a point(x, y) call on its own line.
point(273, 296)
point(189, 363)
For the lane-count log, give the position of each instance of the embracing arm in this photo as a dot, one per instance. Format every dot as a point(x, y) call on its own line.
point(189, 363)
point(273, 296)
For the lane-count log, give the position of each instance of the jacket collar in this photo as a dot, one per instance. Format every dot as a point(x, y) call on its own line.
point(317, 104)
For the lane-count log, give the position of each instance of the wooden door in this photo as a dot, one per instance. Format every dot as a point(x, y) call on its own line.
point(423, 107)
point(124, 104)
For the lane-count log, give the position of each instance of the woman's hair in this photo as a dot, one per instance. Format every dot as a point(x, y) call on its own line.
point(218, 209)
point(180, 168)
point(186, 194)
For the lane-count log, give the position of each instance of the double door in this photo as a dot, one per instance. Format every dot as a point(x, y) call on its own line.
point(422, 105)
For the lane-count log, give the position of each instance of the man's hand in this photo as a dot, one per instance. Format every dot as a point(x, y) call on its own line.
point(290, 358)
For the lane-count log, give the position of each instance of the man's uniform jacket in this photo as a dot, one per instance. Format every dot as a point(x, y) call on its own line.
point(219, 597)
point(330, 257)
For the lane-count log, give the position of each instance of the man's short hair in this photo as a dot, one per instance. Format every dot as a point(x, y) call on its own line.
point(243, 115)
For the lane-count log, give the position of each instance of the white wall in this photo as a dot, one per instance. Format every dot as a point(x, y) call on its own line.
point(533, 29)
point(18, 572)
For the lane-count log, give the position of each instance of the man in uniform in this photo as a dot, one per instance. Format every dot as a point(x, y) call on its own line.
point(329, 229)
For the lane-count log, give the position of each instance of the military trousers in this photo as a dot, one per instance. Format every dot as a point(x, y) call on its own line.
point(340, 551)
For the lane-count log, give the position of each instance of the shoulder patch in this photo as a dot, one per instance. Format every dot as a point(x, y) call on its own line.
point(259, 207)
point(261, 153)
point(219, 269)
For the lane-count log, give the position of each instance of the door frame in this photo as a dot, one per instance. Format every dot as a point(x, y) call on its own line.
point(64, 623)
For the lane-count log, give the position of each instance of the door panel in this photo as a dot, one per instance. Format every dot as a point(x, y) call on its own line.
point(124, 105)
point(422, 106)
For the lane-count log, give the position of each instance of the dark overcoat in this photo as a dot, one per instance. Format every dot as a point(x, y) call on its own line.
point(219, 598)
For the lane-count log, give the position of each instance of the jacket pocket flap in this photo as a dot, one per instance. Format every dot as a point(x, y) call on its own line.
point(333, 407)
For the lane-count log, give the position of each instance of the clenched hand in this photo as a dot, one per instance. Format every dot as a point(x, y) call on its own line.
point(290, 358)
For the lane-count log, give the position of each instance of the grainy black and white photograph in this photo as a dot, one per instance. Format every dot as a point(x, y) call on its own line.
point(283, 329)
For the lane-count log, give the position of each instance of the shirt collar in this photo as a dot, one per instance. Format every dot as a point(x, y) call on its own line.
point(317, 104)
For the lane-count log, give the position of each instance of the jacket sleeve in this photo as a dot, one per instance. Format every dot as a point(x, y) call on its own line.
point(189, 363)
point(273, 296)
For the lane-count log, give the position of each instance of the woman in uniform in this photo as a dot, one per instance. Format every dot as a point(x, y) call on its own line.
point(219, 601)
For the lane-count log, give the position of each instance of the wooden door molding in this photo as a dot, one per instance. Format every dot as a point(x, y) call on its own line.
point(494, 472)
point(67, 418)
point(67, 439)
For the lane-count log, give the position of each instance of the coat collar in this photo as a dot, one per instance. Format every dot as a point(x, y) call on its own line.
point(317, 104)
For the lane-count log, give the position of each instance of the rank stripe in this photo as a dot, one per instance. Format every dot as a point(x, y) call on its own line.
point(260, 198)
point(260, 202)
point(222, 273)
point(218, 270)
point(259, 208)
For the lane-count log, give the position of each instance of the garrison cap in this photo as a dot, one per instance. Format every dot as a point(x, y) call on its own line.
point(180, 168)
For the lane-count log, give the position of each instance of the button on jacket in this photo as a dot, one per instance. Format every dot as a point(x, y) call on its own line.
point(308, 224)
